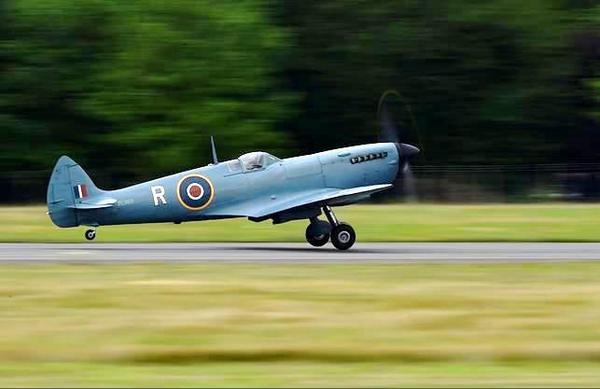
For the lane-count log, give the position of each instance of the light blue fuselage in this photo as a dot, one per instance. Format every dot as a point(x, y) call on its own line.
point(243, 193)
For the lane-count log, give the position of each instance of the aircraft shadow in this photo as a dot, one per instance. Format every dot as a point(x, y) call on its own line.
point(306, 250)
point(242, 248)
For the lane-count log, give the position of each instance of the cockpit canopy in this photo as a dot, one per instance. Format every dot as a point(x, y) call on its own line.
point(257, 160)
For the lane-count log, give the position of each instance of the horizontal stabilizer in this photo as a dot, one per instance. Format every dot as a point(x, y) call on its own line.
point(104, 203)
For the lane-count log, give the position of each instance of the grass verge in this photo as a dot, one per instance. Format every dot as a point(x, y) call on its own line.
point(392, 223)
point(300, 325)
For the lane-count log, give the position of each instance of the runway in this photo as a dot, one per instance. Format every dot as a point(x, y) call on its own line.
point(298, 252)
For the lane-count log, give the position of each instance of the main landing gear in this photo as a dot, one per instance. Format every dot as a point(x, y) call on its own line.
point(319, 232)
point(90, 234)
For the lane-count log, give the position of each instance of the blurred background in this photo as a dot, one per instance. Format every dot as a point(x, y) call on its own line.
point(501, 95)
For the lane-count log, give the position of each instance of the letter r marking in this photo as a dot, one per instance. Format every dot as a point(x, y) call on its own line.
point(158, 193)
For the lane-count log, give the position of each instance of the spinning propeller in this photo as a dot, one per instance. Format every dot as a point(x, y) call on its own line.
point(392, 134)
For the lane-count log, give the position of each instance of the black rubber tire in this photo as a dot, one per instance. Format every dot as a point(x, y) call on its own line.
point(316, 240)
point(90, 234)
point(343, 236)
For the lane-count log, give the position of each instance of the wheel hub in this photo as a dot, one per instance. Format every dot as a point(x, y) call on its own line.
point(344, 236)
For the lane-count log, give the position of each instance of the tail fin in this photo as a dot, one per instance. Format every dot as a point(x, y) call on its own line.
point(68, 186)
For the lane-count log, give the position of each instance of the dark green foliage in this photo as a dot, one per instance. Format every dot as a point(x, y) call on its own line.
point(488, 81)
point(138, 86)
point(133, 89)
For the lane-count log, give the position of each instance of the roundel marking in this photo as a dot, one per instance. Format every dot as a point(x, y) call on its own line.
point(195, 192)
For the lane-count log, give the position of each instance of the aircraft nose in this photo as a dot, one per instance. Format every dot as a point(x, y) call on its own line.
point(406, 151)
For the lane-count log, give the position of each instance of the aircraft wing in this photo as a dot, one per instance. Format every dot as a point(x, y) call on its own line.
point(325, 196)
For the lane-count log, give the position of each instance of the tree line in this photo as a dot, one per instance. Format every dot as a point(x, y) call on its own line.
point(134, 89)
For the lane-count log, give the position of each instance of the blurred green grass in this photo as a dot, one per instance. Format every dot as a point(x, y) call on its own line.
point(300, 325)
point(419, 222)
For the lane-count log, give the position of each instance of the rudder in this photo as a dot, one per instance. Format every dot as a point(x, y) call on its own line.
point(69, 184)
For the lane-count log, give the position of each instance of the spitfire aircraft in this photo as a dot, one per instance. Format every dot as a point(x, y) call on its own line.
point(257, 185)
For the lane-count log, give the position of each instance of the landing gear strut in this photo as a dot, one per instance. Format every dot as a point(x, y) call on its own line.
point(90, 234)
point(342, 234)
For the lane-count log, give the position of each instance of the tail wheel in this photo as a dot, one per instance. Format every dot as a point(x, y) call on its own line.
point(317, 233)
point(90, 234)
point(343, 236)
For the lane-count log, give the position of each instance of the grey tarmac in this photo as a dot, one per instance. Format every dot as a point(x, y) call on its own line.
point(297, 252)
